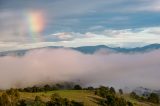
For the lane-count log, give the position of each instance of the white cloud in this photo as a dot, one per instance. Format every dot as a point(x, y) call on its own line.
point(123, 38)
point(63, 36)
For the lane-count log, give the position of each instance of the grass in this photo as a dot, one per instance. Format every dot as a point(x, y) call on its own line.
point(88, 97)
point(138, 103)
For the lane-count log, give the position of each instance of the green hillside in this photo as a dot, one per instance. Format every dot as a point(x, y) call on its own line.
point(85, 96)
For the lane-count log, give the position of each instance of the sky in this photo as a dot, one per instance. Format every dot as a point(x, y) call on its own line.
point(26, 24)
point(71, 23)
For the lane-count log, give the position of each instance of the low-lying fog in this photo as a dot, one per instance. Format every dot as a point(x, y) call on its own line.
point(54, 65)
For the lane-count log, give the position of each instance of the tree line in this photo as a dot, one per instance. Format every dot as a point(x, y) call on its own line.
point(109, 96)
point(48, 87)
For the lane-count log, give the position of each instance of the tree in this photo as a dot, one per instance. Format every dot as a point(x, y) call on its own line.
point(154, 98)
point(34, 89)
point(77, 87)
point(90, 88)
point(111, 100)
point(134, 95)
point(47, 88)
point(112, 90)
point(121, 91)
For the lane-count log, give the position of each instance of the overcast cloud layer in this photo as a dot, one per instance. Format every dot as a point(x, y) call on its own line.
point(46, 65)
point(86, 22)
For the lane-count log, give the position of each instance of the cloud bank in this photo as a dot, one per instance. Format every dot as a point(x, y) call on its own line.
point(111, 37)
point(54, 65)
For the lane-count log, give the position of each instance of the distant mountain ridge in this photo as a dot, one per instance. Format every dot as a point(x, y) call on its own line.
point(93, 49)
point(90, 49)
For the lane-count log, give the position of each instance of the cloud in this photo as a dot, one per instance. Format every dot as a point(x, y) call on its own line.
point(62, 36)
point(110, 37)
point(80, 23)
point(54, 65)
point(123, 38)
point(96, 27)
point(68, 36)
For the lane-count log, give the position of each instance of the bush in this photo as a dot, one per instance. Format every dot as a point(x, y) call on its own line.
point(90, 88)
point(37, 98)
point(129, 104)
point(121, 91)
point(5, 100)
point(112, 90)
point(22, 102)
point(154, 98)
point(134, 95)
point(77, 87)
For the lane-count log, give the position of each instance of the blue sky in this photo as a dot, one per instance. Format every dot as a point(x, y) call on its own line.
point(125, 23)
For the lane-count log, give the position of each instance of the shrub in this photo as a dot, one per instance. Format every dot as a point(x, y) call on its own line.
point(77, 87)
point(154, 98)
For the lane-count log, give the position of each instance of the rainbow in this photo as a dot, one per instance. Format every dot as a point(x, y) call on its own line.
point(35, 23)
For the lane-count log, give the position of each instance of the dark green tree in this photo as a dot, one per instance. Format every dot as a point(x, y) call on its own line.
point(121, 91)
point(134, 95)
point(77, 87)
point(47, 87)
point(154, 98)
point(111, 100)
point(112, 90)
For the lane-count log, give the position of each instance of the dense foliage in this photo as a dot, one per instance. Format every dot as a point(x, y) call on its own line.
point(153, 97)
point(48, 87)
point(110, 97)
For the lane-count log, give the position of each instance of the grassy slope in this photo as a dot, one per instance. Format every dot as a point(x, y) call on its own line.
point(87, 97)
point(138, 103)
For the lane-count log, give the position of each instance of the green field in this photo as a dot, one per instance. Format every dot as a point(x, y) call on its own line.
point(88, 97)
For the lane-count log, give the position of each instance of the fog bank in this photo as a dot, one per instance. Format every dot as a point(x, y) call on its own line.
point(54, 65)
